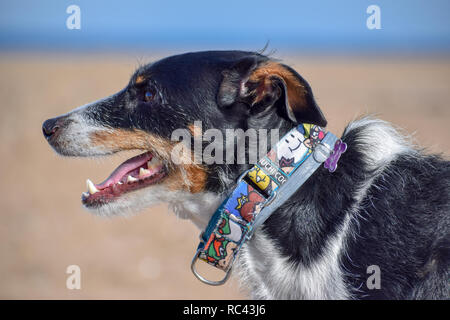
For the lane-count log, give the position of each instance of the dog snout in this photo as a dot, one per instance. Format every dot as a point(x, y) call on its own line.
point(50, 127)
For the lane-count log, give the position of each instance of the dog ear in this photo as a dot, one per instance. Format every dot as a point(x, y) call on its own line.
point(233, 84)
point(263, 84)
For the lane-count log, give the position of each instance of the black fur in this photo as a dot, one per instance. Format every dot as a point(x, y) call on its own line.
point(402, 224)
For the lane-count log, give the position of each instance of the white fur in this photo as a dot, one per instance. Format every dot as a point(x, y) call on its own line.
point(382, 141)
point(198, 207)
point(75, 140)
point(271, 276)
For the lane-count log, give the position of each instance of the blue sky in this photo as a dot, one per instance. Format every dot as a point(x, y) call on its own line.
point(320, 25)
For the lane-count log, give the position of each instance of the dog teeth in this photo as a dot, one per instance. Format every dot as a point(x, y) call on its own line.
point(91, 187)
point(143, 172)
point(85, 194)
point(120, 182)
point(153, 163)
point(131, 179)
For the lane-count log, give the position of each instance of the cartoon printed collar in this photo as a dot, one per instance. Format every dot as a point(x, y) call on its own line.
point(261, 190)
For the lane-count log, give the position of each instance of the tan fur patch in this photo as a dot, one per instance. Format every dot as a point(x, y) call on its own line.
point(140, 79)
point(195, 131)
point(120, 140)
point(188, 177)
point(191, 177)
point(295, 90)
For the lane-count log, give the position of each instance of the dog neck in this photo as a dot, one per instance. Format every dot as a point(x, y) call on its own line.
point(296, 253)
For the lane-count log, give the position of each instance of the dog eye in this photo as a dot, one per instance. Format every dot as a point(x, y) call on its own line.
point(149, 95)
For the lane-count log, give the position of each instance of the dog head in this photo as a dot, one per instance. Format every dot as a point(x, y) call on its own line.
point(219, 89)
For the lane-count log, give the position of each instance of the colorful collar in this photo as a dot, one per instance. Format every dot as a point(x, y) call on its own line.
point(261, 190)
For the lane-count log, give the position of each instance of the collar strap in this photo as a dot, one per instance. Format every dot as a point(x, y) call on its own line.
point(263, 189)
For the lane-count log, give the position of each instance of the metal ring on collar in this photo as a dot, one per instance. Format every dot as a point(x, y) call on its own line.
point(203, 279)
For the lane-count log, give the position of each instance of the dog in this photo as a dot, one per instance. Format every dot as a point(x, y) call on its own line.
point(385, 208)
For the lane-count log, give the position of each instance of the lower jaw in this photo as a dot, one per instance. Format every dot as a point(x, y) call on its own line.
point(115, 192)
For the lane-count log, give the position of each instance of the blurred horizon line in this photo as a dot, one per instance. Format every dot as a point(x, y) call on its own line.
point(341, 46)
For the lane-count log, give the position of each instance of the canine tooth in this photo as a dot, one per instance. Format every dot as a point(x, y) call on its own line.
point(131, 179)
point(120, 182)
point(153, 163)
point(85, 194)
point(91, 187)
point(143, 172)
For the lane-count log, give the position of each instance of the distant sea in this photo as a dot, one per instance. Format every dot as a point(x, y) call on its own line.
point(81, 40)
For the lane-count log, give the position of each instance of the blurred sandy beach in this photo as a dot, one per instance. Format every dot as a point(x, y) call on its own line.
point(43, 227)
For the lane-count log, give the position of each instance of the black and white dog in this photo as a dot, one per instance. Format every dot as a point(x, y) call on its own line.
point(385, 209)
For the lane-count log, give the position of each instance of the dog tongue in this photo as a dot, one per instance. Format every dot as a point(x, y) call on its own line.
point(124, 168)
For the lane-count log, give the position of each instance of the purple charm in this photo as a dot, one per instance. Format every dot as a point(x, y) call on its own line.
point(339, 148)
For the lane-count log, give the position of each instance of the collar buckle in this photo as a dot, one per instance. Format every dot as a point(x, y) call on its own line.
point(203, 279)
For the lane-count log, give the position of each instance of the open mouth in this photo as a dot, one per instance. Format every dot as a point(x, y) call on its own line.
point(135, 173)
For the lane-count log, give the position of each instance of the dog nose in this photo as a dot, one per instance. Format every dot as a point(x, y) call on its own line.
point(49, 127)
